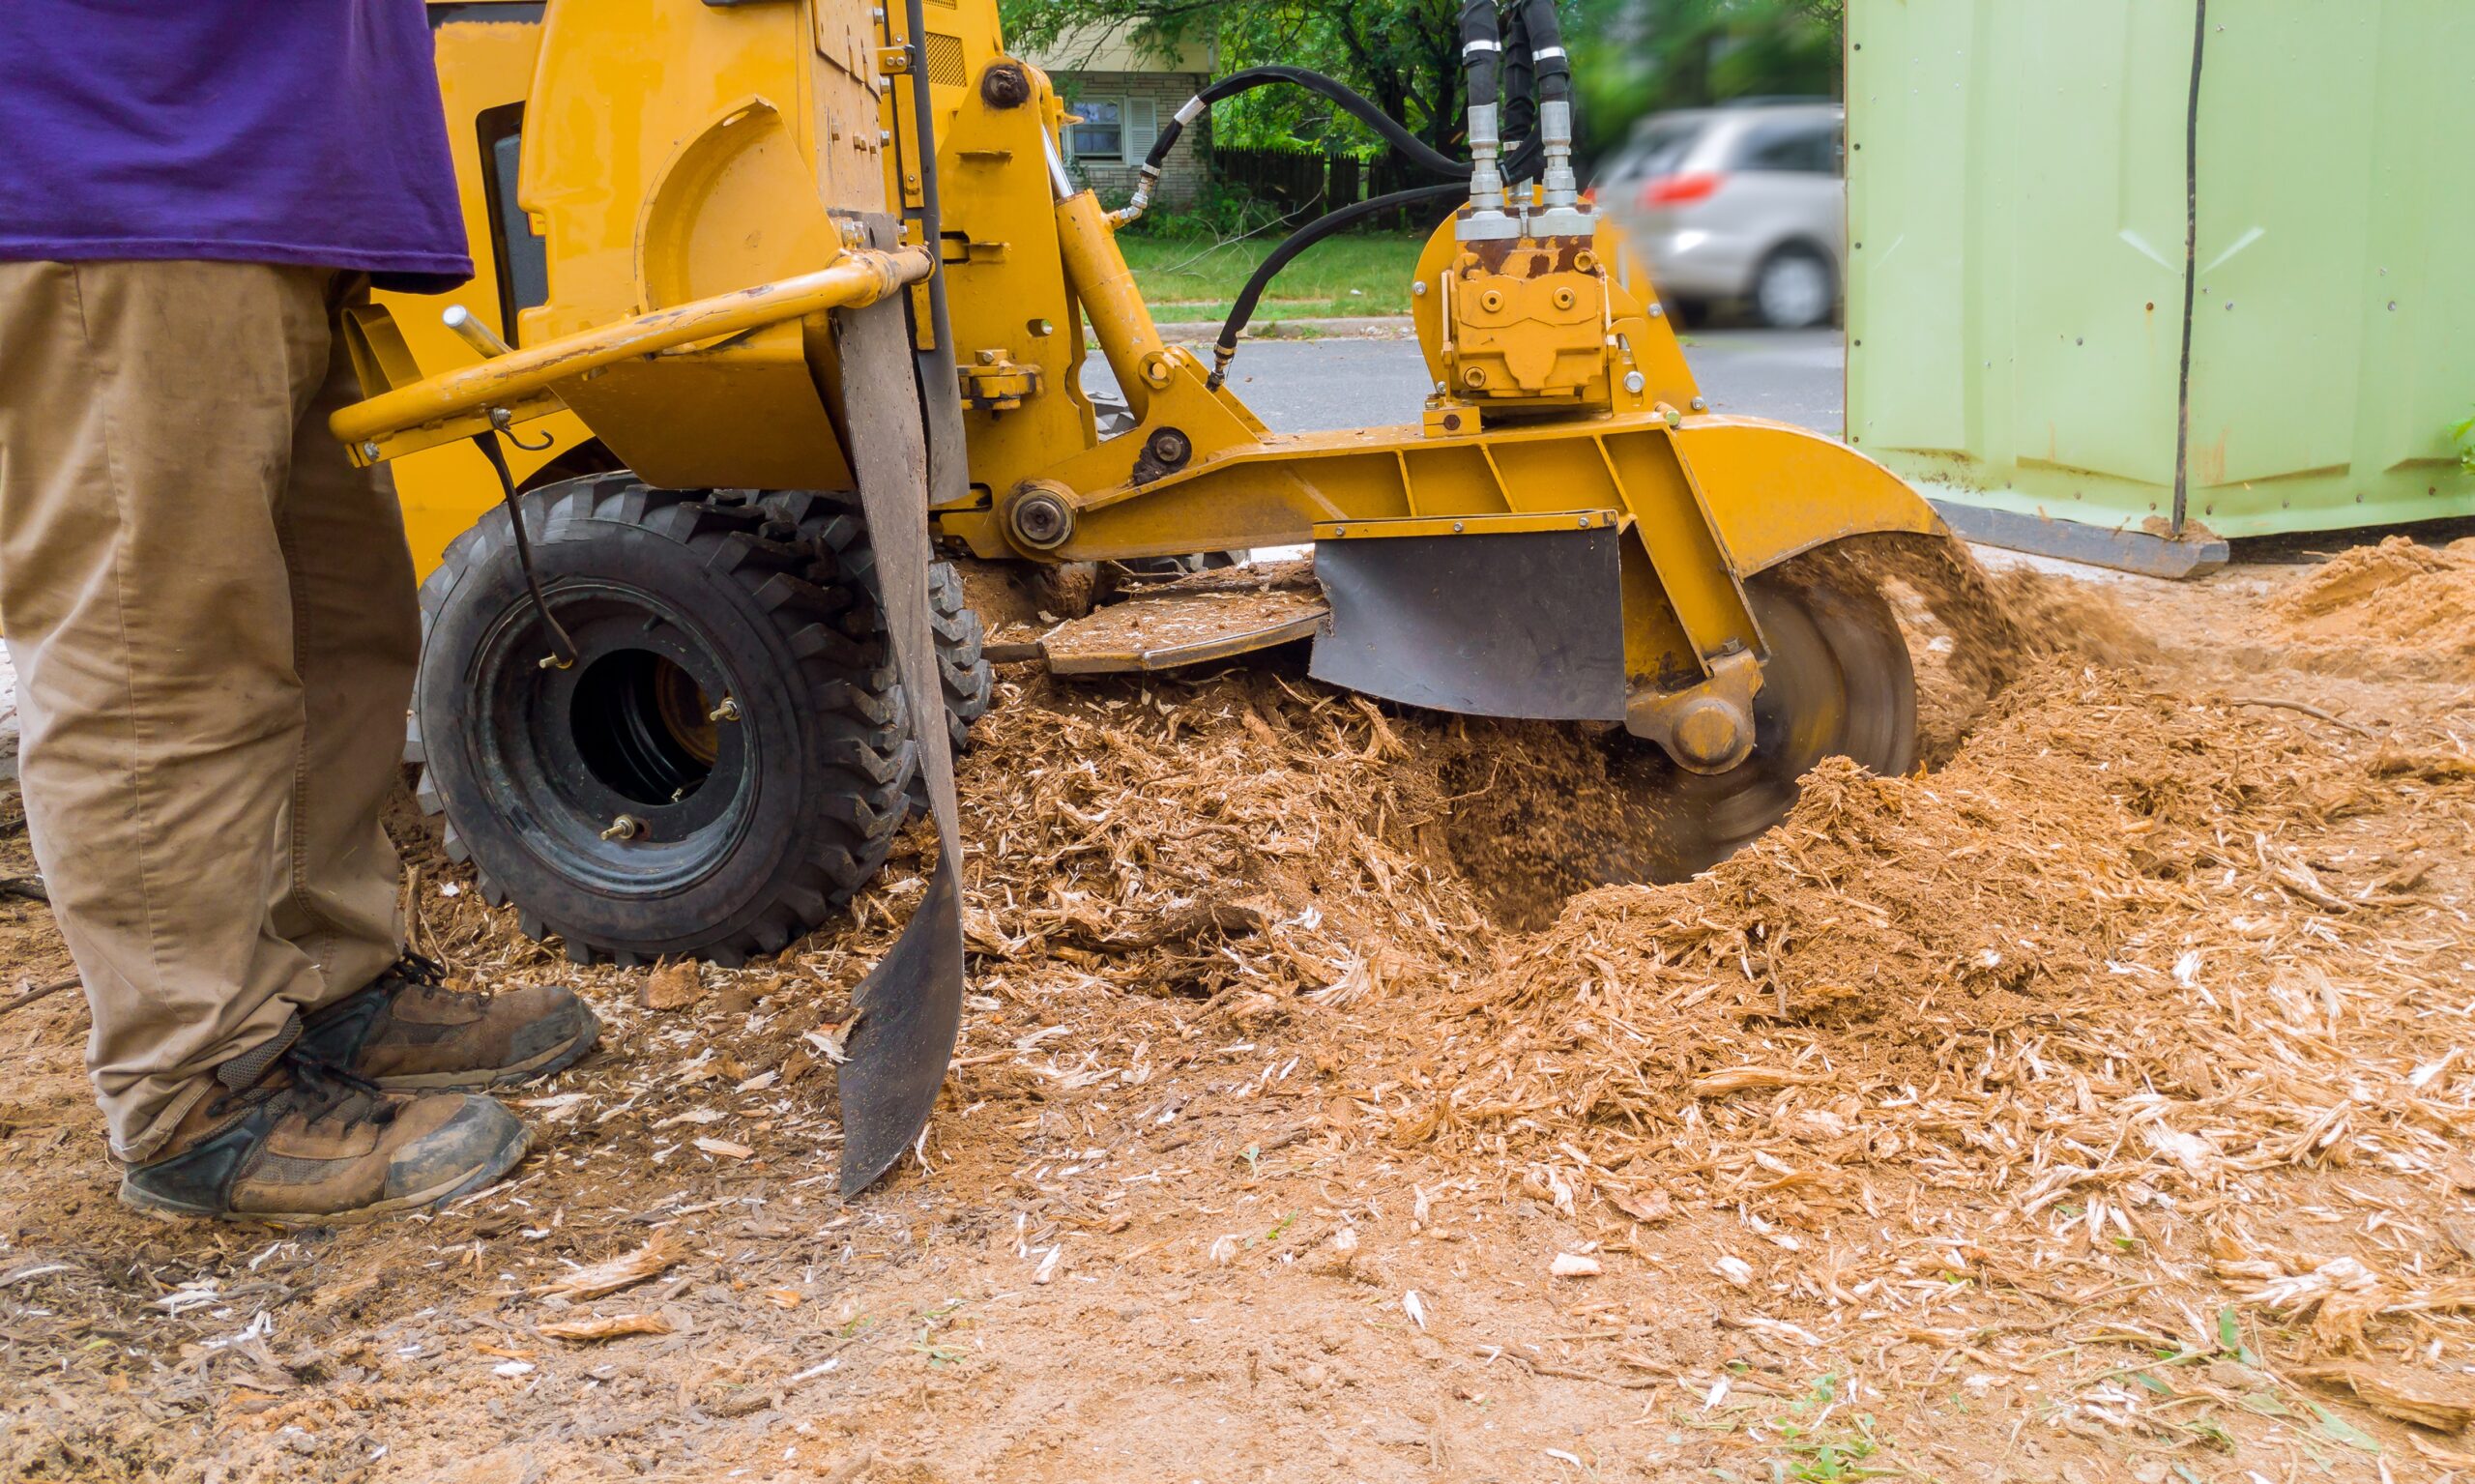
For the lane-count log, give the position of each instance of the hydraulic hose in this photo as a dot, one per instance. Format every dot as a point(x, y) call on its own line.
point(1299, 241)
point(1546, 51)
point(1483, 63)
point(1489, 65)
point(1315, 231)
point(1481, 51)
point(1554, 104)
point(1520, 85)
point(1355, 103)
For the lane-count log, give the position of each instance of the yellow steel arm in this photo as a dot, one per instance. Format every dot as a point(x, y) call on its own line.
point(455, 403)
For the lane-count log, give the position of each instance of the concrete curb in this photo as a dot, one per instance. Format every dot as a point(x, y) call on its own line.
point(1370, 327)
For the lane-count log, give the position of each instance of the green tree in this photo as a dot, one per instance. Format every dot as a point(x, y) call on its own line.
point(1403, 54)
point(1629, 56)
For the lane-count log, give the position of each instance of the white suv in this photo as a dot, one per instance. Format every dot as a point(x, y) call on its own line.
point(1743, 201)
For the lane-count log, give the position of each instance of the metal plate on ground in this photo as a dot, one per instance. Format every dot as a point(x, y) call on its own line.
point(1528, 623)
point(2126, 547)
point(1180, 628)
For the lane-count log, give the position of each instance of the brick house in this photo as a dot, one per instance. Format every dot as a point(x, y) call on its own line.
point(1123, 90)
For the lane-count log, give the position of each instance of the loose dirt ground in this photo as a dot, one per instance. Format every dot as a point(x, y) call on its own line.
point(2093, 1106)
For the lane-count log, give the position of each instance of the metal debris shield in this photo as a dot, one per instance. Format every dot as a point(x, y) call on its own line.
point(1502, 624)
point(911, 1004)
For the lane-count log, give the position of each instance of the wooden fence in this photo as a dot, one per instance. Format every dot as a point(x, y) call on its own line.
point(1299, 177)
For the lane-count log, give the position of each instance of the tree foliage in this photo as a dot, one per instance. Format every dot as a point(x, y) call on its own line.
point(1404, 54)
point(1629, 56)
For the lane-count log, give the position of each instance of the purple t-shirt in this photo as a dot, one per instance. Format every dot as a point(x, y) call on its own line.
point(248, 130)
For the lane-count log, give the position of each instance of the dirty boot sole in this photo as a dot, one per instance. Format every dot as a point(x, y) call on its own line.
point(557, 1058)
point(502, 1159)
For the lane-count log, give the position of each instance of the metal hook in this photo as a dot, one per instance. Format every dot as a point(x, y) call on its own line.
point(502, 420)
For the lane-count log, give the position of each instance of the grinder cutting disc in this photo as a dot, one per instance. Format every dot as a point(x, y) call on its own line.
point(1837, 684)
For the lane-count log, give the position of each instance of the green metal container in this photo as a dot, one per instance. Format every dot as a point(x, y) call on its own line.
point(2130, 276)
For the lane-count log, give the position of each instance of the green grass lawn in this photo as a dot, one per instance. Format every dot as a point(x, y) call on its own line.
point(1196, 278)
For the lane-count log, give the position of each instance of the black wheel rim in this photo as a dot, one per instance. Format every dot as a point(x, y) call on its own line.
point(627, 731)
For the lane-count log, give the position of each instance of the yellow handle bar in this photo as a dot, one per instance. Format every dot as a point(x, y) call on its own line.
point(860, 276)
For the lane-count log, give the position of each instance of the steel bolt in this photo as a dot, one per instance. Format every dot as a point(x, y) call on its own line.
point(370, 451)
point(1700, 406)
point(1456, 527)
point(626, 826)
point(1633, 383)
point(728, 710)
point(1709, 732)
point(1042, 520)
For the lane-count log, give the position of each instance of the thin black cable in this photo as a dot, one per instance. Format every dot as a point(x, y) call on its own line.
point(562, 645)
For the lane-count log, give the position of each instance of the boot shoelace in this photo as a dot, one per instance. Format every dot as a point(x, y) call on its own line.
point(325, 1091)
point(429, 976)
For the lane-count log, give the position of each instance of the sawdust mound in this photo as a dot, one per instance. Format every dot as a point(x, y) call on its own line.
point(2394, 593)
point(1280, 852)
point(1249, 838)
point(1233, 837)
point(1894, 934)
point(1972, 632)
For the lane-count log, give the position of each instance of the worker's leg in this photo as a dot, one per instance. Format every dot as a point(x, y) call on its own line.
point(356, 634)
point(356, 622)
point(148, 413)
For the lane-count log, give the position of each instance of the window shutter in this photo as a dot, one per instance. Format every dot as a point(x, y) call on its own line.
point(1142, 127)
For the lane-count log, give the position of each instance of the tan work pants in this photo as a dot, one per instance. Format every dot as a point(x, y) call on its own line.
point(213, 622)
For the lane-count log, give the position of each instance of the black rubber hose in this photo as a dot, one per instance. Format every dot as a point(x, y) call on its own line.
point(1547, 51)
point(1326, 225)
point(1519, 119)
point(1306, 237)
point(1357, 104)
point(1481, 51)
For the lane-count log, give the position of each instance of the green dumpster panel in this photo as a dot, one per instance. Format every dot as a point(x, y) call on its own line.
point(2333, 332)
point(2018, 172)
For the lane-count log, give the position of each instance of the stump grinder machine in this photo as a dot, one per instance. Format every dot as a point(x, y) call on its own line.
point(779, 314)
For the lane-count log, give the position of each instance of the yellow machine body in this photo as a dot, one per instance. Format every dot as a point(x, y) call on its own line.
point(664, 198)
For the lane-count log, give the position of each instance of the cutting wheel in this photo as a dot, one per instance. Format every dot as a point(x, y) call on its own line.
point(1838, 683)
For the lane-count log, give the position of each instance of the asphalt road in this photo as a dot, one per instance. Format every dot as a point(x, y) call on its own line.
point(1338, 382)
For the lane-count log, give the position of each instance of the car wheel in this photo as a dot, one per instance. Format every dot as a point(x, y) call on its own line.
point(1795, 289)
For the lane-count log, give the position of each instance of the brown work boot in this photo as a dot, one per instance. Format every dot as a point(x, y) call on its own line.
point(408, 1030)
point(310, 1146)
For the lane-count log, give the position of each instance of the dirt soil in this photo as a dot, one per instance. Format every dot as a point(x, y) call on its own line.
point(2092, 1105)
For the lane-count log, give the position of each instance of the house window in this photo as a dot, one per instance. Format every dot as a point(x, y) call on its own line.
point(1113, 130)
point(1101, 134)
